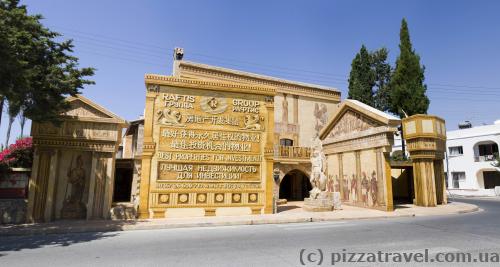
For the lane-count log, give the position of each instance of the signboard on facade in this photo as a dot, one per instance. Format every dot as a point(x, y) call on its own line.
point(205, 147)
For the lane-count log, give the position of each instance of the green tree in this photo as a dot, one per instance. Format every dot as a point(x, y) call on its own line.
point(37, 71)
point(362, 78)
point(382, 70)
point(369, 78)
point(407, 88)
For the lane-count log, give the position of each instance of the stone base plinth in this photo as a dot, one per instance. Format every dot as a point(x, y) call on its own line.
point(12, 211)
point(324, 202)
point(123, 211)
point(281, 201)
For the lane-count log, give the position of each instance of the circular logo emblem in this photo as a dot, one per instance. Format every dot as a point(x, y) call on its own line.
point(253, 197)
point(213, 104)
point(202, 198)
point(163, 198)
point(183, 198)
point(219, 197)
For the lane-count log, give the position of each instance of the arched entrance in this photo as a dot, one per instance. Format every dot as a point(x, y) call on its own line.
point(295, 186)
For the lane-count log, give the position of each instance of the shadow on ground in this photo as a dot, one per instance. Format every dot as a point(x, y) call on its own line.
point(33, 236)
point(17, 243)
point(288, 207)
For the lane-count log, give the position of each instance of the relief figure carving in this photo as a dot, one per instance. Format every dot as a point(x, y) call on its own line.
point(252, 122)
point(320, 116)
point(351, 122)
point(73, 206)
point(170, 117)
point(284, 118)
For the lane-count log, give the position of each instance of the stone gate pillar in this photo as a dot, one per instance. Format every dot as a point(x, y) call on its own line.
point(73, 167)
point(426, 139)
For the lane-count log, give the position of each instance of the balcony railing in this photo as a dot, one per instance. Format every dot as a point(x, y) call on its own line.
point(292, 152)
point(484, 158)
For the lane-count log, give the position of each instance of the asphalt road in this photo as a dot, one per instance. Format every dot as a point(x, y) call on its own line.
point(269, 245)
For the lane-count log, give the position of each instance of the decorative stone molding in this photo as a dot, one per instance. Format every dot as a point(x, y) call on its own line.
point(192, 70)
point(209, 85)
point(80, 145)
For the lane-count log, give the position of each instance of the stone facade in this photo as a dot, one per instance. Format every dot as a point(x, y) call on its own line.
point(73, 167)
point(301, 110)
point(357, 142)
point(208, 148)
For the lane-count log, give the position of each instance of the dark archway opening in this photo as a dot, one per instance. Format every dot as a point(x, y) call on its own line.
point(124, 173)
point(295, 186)
point(491, 179)
point(402, 186)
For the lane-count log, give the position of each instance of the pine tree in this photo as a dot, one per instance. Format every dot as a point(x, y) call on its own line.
point(382, 70)
point(37, 70)
point(362, 78)
point(407, 88)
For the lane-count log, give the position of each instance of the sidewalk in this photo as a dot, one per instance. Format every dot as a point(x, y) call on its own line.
point(474, 197)
point(289, 213)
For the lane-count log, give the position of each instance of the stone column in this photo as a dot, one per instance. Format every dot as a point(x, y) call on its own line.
point(341, 176)
point(357, 155)
point(296, 109)
point(32, 186)
point(269, 157)
point(108, 172)
point(147, 154)
point(440, 182)
point(384, 173)
point(38, 186)
point(51, 187)
point(425, 184)
point(426, 139)
point(92, 186)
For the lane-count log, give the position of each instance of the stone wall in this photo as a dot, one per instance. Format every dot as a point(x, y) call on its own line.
point(13, 211)
point(357, 142)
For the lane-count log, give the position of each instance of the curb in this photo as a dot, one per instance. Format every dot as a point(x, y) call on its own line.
point(176, 225)
point(469, 210)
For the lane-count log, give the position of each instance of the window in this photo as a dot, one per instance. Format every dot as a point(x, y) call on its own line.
point(488, 149)
point(456, 150)
point(457, 177)
point(286, 142)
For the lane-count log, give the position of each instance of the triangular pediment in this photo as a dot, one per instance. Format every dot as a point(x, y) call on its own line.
point(83, 108)
point(353, 117)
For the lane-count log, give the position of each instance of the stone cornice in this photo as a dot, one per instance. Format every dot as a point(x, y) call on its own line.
point(99, 146)
point(211, 85)
point(361, 134)
point(92, 119)
point(379, 140)
point(192, 70)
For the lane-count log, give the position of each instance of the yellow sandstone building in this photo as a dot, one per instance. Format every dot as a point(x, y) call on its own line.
point(219, 141)
point(216, 141)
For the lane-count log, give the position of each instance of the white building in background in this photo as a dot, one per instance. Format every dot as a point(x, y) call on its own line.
point(469, 160)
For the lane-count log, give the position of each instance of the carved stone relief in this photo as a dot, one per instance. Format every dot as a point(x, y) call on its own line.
point(80, 109)
point(320, 111)
point(351, 122)
point(170, 117)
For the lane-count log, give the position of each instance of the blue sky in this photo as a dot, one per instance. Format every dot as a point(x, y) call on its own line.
point(309, 41)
